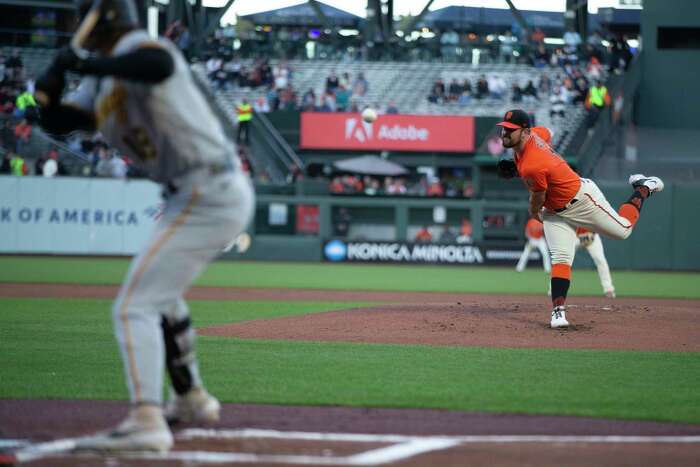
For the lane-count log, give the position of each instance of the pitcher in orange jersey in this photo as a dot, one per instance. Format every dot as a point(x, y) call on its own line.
point(564, 201)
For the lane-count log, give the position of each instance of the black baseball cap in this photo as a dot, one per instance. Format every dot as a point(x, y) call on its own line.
point(515, 119)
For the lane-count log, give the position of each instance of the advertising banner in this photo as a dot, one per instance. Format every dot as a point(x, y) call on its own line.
point(76, 215)
point(404, 252)
point(424, 133)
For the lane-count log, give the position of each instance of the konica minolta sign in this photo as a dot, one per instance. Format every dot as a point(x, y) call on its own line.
point(400, 252)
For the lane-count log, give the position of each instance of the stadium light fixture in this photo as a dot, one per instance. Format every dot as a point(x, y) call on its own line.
point(554, 41)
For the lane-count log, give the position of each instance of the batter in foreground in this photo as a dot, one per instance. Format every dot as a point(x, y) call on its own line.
point(564, 201)
point(138, 92)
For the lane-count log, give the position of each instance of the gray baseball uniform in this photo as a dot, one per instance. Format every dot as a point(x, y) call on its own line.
point(170, 131)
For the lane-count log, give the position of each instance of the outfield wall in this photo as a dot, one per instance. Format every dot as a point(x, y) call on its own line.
point(114, 217)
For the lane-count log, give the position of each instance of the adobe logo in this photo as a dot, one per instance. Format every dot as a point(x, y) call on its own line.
point(358, 129)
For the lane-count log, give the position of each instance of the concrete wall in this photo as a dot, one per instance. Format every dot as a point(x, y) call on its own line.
point(668, 93)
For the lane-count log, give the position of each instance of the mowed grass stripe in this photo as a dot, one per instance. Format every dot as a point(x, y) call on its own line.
point(357, 277)
point(65, 349)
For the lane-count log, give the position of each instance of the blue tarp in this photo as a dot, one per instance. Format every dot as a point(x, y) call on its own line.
point(304, 15)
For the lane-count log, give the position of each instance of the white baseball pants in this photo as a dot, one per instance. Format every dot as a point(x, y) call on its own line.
point(591, 211)
point(205, 214)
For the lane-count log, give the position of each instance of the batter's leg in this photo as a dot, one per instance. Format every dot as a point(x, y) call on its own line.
point(597, 253)
point(524, 257)
point(544, 251)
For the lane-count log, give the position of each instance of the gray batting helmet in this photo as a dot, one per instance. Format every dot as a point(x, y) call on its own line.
point(115, 14)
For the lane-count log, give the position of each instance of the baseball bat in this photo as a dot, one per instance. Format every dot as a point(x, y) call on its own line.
point(87, 25)
point(37, 451)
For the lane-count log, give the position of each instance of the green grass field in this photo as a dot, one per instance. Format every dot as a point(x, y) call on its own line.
point(358, 277)
point(53, 348)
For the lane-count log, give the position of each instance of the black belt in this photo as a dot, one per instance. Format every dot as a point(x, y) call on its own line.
point(568, 205)
point(170, 188)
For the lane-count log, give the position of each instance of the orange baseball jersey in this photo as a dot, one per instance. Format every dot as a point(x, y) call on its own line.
point(542, 169)
point(534, 229)
point(581, 231)
point(543, 132)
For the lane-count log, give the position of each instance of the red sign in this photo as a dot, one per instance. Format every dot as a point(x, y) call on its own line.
point(307, 219)
point(425, 133)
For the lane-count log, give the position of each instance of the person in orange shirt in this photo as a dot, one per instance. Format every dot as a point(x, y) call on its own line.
point(534, 231)
point(564, 201)
point(424, 235)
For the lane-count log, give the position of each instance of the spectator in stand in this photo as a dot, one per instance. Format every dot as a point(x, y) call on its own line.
point(437, 95)
point(455, 90)
point(332, 82)
point(497, 86)
point(541, 56)
point(273, 98)
point(435, 188)
point(233, 69)
point(245, 114)
point(424, 235)
point(260, 105)
point(557, 105)
point(23, 131)
point(288, 99)
point(530, 92)
point(465, 232)
point(594, 70)
point(336, 186)
point(507, 46)
point(25, 104)
point(537, 37)
point(50, 167)
point(345, 81)
point(482, 87)
point(466, 95)
point(572, 39)
point(447, 235)
point(308, 101)
point(342, 98)
point(598, 98)
point(281, 75)
point(391, 108)
point(581, 87)
point(7, 99)
point(361, 86)
point(14, 67)
point(325, 105)
point(17, 165)
point(516, 92)
point(215, 71)
point(6, 165)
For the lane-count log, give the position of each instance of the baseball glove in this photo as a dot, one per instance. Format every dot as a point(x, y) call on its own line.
point(506, 169)
point(586, 239)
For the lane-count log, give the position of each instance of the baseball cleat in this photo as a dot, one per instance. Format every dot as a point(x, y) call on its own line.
point(145, 429)
point(610, 294)
point(197, 406)
point(559, 318)
point(655, 184)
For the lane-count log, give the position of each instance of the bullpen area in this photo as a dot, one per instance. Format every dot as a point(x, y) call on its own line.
point(321, 364)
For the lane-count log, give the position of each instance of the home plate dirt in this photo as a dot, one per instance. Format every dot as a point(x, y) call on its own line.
point(299, 435)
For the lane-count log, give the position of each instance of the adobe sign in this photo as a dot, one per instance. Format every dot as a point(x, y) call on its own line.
point(425, 133)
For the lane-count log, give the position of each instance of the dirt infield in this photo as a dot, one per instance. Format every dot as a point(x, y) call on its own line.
point(360, 436)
